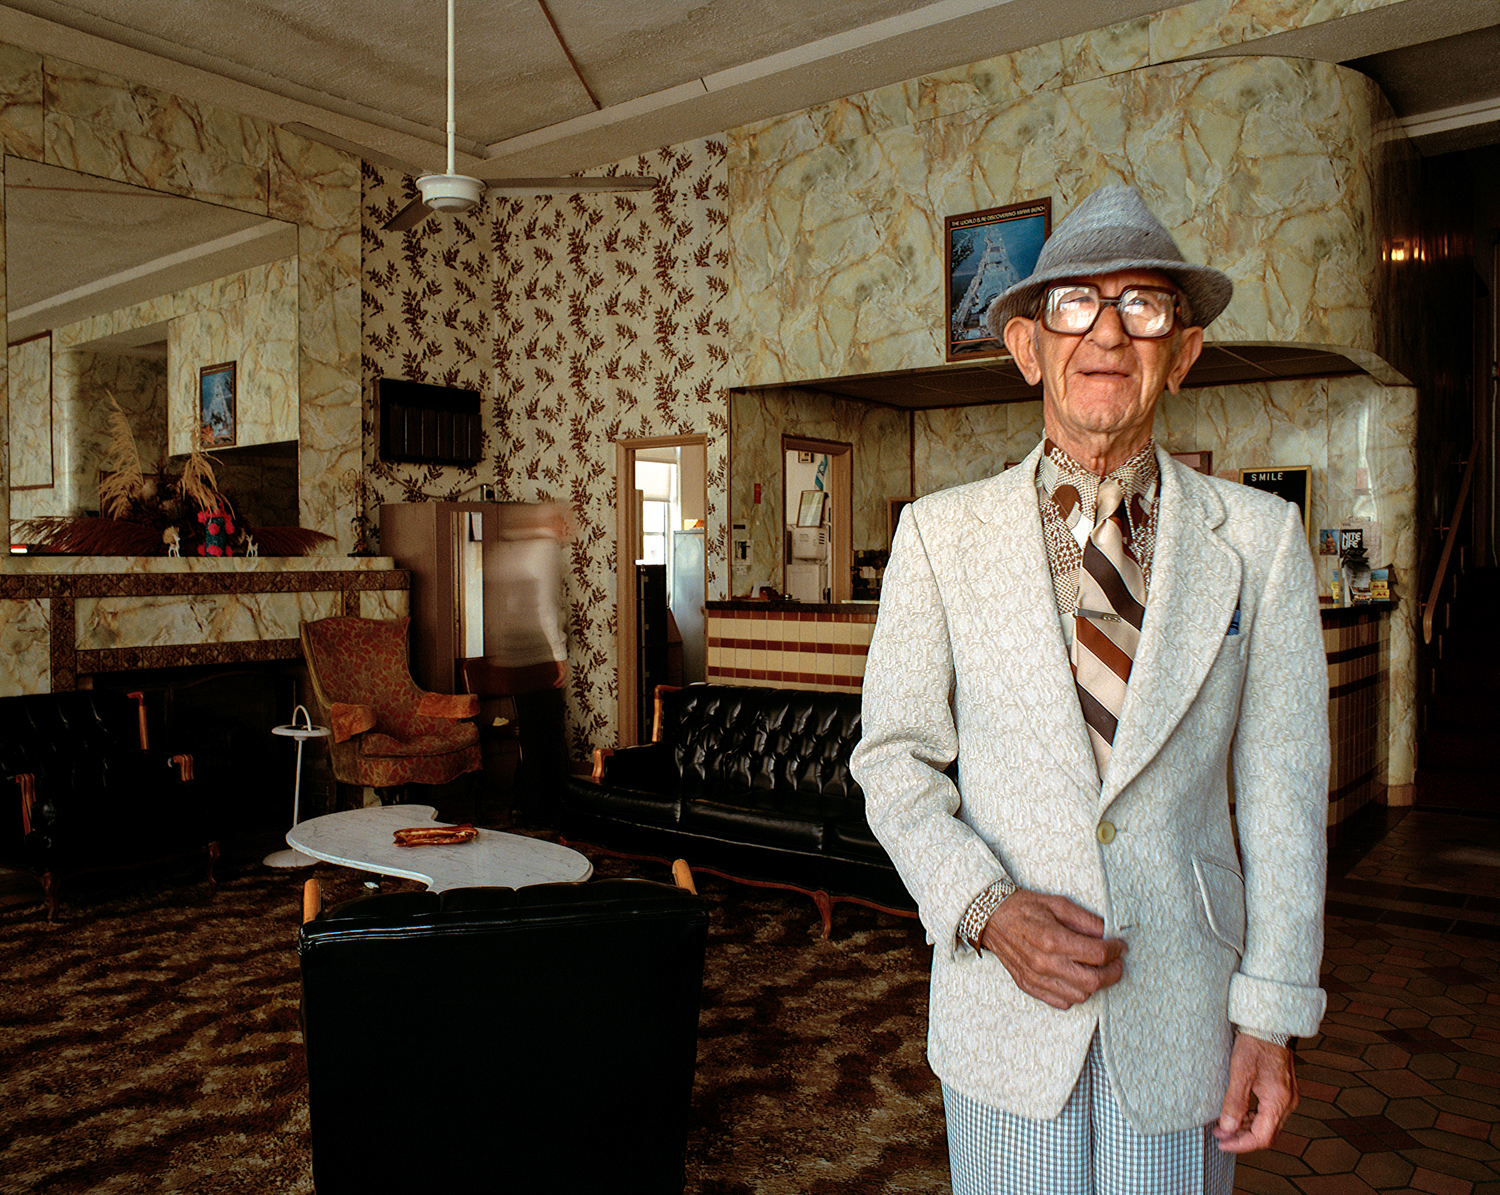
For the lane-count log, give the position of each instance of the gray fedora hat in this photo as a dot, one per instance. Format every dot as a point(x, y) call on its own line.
point(1112, 230)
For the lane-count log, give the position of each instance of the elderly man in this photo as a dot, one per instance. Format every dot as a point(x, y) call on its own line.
point(1076, 664)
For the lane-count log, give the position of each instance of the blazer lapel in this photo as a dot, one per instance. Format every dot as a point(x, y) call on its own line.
point(1195, 586)
point(1010, 600)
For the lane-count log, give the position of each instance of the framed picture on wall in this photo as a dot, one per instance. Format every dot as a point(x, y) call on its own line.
point(988, 251)
point(1292, 482)
point(1201, 459)
point(216, 409)
point(810, 508)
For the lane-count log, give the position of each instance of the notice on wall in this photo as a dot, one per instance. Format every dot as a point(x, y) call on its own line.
point(1292, 482)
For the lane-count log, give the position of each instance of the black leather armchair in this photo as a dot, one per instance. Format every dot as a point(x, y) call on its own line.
point(542, 1039)
point(84, 790)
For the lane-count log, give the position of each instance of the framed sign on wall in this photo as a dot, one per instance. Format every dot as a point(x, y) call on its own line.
point(1292, 482)
point(216, 406)
point(988, 251)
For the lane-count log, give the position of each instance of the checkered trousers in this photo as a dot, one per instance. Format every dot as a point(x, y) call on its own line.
point(1088, 1149)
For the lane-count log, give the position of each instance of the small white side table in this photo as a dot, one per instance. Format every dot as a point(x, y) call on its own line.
point(290, 857)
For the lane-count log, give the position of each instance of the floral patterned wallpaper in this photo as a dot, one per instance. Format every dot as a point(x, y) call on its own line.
point(581, 320)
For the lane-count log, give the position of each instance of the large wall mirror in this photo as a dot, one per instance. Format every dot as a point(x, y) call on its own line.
point(122, 293)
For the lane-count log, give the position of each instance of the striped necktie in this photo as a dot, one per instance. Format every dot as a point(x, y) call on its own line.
point(1111, 607)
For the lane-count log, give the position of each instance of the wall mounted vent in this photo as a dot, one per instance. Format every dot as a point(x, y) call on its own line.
point(428, 425)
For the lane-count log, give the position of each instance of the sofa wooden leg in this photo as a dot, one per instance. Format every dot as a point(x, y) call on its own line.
point(49, 890)
point(825, 911)
point(212, 851)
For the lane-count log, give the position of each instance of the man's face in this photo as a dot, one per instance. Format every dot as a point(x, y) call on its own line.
point(1103, 384)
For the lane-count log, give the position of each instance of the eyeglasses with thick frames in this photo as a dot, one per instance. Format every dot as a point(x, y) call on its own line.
point(1146, 312)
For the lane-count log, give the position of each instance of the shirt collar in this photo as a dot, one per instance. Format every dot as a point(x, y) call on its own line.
point(1070, 484)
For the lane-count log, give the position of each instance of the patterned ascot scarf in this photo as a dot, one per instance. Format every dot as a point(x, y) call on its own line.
point(1069, 493)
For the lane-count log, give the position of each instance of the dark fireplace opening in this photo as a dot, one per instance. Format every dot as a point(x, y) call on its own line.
point(223, 716)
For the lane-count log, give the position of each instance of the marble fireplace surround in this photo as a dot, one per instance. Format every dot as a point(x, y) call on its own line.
point(66, 620)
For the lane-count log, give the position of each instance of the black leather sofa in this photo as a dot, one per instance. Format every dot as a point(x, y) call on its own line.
point(82, 789)
point(540, 1039)
point(751, 784)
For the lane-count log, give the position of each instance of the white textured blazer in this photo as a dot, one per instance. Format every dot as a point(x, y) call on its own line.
point(1229, 687)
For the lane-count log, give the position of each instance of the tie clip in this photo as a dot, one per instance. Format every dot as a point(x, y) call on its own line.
point(1104, 615)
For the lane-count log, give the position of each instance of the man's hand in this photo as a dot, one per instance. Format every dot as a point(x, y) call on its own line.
point(1053, 949)
point(1264, 1070)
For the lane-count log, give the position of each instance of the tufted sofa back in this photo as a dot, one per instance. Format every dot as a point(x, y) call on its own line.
point(788, 740)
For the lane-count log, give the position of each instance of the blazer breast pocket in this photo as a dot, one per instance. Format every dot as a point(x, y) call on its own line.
point(1222, 891)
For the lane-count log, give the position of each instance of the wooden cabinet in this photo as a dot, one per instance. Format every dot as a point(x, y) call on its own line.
point(442, 545)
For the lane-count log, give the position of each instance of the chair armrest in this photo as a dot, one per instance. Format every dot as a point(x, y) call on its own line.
point(645, 765)
point(312, 900)
point(454, 706)
point(348, 719)
point(26, 781)
point(601, 765)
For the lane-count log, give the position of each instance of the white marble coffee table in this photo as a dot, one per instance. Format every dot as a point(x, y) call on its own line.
point(365, 839)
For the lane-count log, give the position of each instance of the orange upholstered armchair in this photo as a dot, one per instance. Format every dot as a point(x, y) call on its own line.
point(386, 732)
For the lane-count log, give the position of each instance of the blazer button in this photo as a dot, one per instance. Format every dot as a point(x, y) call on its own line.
point(1106, 832)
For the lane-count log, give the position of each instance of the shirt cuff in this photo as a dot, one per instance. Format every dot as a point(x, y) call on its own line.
point(1276, 1039)
point(971, 927)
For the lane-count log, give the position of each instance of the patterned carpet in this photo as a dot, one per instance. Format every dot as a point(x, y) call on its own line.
point(149, 1042)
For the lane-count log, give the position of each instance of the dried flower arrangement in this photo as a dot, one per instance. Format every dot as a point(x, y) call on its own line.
point(160, 515)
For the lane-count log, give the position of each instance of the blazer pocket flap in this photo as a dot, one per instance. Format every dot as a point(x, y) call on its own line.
point(1223, 893)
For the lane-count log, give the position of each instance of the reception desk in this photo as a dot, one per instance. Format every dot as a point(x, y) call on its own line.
point(789, 645)
point(799, 645)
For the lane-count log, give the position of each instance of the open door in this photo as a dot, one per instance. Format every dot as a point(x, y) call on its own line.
point(661, 499)
point(826, 466)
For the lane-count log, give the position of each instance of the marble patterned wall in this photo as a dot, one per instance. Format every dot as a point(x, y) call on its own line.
point(100, 124)
point(30, 449)
point(882, 445)
point(1266, 167)
point(249, 318)
point(582, 320)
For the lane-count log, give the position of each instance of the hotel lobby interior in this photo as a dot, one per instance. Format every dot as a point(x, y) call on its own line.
point(780, 289)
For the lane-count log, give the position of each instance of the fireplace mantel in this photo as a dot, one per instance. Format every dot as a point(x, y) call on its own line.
point(64, 619)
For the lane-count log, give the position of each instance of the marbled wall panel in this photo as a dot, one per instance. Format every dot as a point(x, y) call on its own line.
point(21, 106)
point(108, 126)
point(319, 189)
point(384, 604)
point(957, 445)
point(1211, 24)
point(1190, 29)
point(116, 622)
point(1264, 167)
point(25, 642)
point(31, 411)
point(249, 318)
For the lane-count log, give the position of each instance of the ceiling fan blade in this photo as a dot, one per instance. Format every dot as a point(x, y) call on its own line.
point(572, 184)
point(351, 147)
point(408, 217)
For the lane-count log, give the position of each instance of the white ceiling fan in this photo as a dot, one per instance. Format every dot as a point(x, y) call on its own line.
point(453, 192)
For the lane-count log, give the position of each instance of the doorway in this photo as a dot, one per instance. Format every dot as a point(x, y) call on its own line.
point(817, 560)
point(661, 504)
